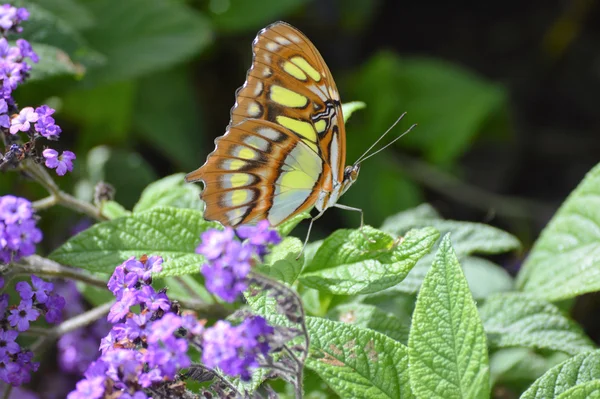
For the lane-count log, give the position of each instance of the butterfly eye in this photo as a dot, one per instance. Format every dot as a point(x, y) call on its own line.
point(351, 173)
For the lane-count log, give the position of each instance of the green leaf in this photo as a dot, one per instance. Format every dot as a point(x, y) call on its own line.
point(467, 238)
point(169, 232)
point(240, 15)
point(139, 37)
point(447, 345)
point(170, 191)
point(369, 316)
point(403, 221)
point(577, 370)
point(53, 62)
point(485, 278)
point(346, 264)
point(113, 210)
point(177, 130)
point(588, 390)
point(349, 108)
point(281, 264)
point(451, 105)
point(519, 367)
point(521, 320)
point(565, 260)
point(356, 362)
point(70, 11)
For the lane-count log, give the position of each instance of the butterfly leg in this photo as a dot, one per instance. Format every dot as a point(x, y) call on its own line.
point(308, 233)
point(362, 218)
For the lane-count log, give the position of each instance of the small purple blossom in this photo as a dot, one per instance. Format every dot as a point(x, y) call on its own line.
point(23, 315)
point(62, 163)
point(22, 122)
point(235, 350)
point(259, 236)
point(122, 306)
point(213, 243)
point(4, 118)
point(153, 300)
point(26, 50)
point(7, 342)
point(54, 307)
point(164, 328)
point(92, 388)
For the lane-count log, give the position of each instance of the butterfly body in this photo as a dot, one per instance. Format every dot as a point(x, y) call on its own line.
point(285, 147)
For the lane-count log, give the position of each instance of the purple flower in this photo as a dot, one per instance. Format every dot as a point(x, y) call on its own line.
point(4, 118)
point(153, 300)
point(22, 315)
point(8, 367)
point(259, 236)
point(92, 388)
point(145, 270)
point(76, 350)
point(235, 350)
point(41, 288)
point(164, 328)
point(47, 127)
point(54, 305)
point(22, 122)
point(14, 209)
point(7, 342)
point(26, 50)
point(214, 242)
point(226, 277)
point(191, 324)
point(62, 163)
point(24, 290)
point(121, 307)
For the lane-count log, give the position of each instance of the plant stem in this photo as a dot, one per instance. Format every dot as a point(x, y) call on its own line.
point(81, 320)
point(45, 267)
point(58, 197)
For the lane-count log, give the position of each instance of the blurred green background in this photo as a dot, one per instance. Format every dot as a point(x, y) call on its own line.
point(505, 95)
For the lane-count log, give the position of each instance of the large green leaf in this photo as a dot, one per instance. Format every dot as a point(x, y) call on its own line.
point(281, 264)
point(588, 390)
point(521, 320)
point(356, 362)
point(346, 264)
point(565, 260)
point(468, 238)
point(450, 104)
point(170, 191)
point(139, 36)
point(169, 232)
point(447, 344)
point(53, 62)
point(369, 316)
point(575, 371)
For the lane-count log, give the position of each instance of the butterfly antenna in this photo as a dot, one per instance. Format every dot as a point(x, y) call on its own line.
point(388, 144)
point(361, 158)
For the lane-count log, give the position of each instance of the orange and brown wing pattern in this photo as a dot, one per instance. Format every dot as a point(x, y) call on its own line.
point(290, 84)
point(258, 171)
point(285, 142)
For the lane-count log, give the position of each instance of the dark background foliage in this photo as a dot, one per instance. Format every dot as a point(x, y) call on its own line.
point(505, 95)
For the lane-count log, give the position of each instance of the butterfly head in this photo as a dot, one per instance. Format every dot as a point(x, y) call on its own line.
point(350, 176)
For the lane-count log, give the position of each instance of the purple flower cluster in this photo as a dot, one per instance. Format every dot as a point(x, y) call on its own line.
point(141, 349)
point(235, 349)
point(229, 261)
point(16, 363)
point(18, 231)
point(149, 348)
point(14, 70)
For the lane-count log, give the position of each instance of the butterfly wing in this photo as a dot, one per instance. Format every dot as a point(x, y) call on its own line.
point(285, 141)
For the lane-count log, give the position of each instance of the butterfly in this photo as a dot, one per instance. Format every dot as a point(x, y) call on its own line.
point(284, 150)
